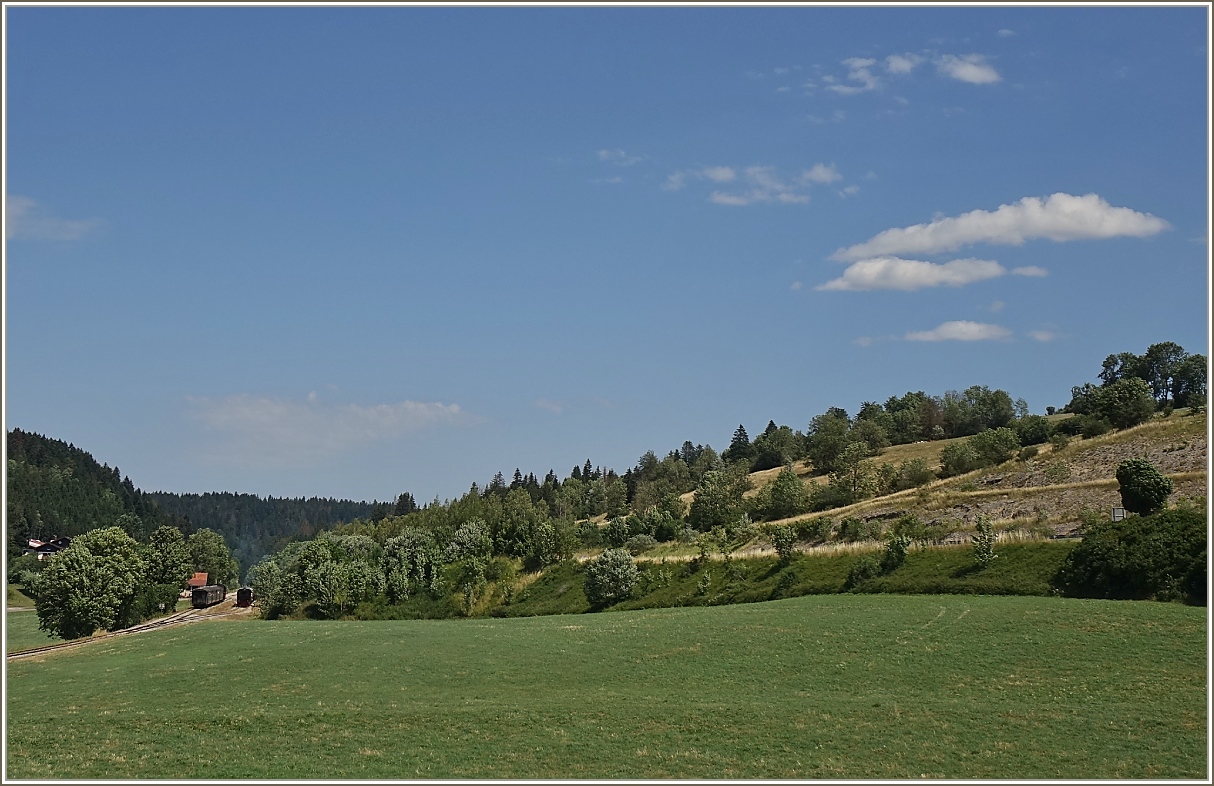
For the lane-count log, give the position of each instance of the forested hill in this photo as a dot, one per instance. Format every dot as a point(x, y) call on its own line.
point(57, 489)
point(254, 527)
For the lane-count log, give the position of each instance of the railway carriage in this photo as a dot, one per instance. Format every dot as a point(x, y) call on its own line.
point(209, 595)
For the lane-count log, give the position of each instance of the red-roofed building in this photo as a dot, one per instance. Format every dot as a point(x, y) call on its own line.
point(199, 580)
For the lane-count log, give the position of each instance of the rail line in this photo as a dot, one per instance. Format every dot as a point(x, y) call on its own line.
point(180, 618)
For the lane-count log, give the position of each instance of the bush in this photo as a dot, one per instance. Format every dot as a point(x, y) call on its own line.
point(863, 569)
point(994, 446)
point(1143, 489)
point(984, 543)
point(640, 543)
point(1160, 557)
point(784, 539)
point(609, 578)
point(895, 553)
point(1032, 430)
point(852, 529)
point(1027, 453)
point(958, 458)
point(1059, 441)
point(616, 533)
point(912, 474)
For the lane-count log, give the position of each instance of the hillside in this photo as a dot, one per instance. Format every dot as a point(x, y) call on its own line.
point(1051, 493)
point(254, 526)
point(58, 489)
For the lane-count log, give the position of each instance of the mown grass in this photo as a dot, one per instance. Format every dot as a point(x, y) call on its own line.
point(845, 686)
point(16, 598)
point(22, 633)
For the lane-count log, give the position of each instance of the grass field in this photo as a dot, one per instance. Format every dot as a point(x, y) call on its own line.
point(22, 631)
point(839, 686)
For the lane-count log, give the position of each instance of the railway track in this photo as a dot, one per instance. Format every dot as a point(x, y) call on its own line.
point(180, 618)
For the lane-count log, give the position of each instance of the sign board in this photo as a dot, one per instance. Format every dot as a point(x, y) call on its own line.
point(1118, 514)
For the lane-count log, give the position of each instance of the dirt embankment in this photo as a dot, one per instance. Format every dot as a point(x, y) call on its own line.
point(1055, 490)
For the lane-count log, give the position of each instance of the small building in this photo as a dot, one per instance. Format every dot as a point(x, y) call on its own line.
point(46, 549)
point(199, 580)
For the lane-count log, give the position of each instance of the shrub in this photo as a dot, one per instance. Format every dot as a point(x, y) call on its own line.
point(784, 539)
point(640, 543)
point(1032, 430)
point(1094, 427)
point(609, 578)
point(1160, 556)
point(853, 529)
point(616, 533)
point(994, 446)
point(895, 553)
point(1143, 489)
point(984, 542)
point(863, 569)
point(912, 474)
point(958, 458)
point(1059, 441)
point(1028, 453)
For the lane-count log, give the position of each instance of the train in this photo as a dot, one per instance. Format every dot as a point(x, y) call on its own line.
point(209, 595)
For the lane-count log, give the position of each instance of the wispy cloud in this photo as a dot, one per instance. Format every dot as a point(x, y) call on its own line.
point(555, 407)
point(619, 157)
point(909, 275)
point(967, 68)
point(961, 330)
point(1042, 335)
point(1031, 271)
point(859, 74)
point(1061, 217)
point(1007, 32)
point(848, 191)
point(269, 432)
point(755, 184)
point(27, 219)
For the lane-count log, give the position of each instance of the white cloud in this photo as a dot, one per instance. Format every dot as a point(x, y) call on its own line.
point(619, 157)
point(269, 432)
point(961, 330)
point(902, 64)
point(863, 341)
point(1030, 270)
point(1042, 335)
point(766, 186)
point(675, 181)
point(909, 275)
point(719, 174)
point(821, 173)
point(967, 68)
point(1060, 217)
point(780, 70)
point(1006, 33)
point(996, 306)
point(796, 285)
point(857, 71)
point(26, 219)
point(848, 191)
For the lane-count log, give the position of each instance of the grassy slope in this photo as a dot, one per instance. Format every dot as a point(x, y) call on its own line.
point(851, 686)
point(18, 598)
point(22, 633)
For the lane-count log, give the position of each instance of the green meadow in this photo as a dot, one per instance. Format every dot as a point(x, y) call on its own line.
point(23, 633)
point(826, 686)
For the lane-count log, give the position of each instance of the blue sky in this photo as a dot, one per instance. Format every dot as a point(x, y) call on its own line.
point(354, 252)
